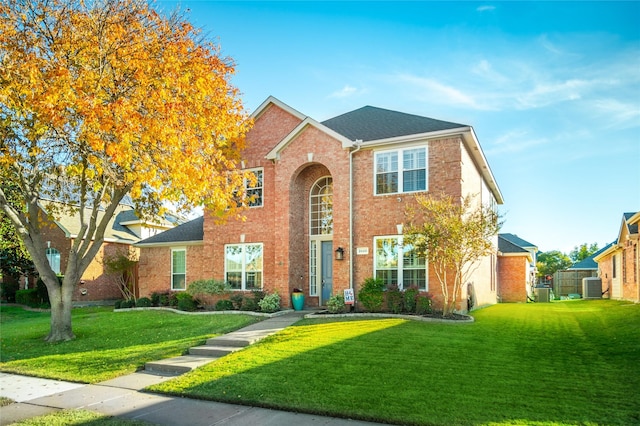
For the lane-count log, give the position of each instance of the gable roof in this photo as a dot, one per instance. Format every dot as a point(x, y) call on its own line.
point(589, 262)
point(507, 247)
point(189, 233)
point(371, 123)
point(513, 238)
point(374, 127)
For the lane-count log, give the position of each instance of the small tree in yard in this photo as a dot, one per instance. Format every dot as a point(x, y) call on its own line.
point(120, 269)
point(102, 100)
point(453, 236)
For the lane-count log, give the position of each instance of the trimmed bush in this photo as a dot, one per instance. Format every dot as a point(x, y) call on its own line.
point(270, 303)
point(336, 305)
point(185, 302)
point(394, 299)
point(423, 304)
point(224, 305)
point(249, 304)
point(372, 294)
point(237, 299)
point(129, 303)
point(143, 302)
point(8, 290)
point(411, 299)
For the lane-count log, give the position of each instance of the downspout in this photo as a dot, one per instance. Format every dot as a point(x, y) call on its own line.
point(358, 144)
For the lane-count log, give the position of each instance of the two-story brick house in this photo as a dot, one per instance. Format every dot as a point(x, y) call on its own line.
point(329, 207)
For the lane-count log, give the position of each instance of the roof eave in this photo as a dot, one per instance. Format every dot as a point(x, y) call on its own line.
point(274, 154)
point(470, 140)
point(170, 244)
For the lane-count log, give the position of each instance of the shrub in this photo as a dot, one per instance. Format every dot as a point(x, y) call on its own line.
point(372, 295)
point(411, 299)
point(249, 304)
point(224, 305)
point(185, 302)
point(118, 304)
point(8, 290)
point(336, 305)
point(237, 299)
point(270, 303)
point(210, 287)
point(159, 299)
point(129, 303)
point(394, 299)
point(423, 304)
point(27, 297)
point(143, 302)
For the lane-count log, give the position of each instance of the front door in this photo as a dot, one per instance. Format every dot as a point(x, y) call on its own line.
point(326, 270)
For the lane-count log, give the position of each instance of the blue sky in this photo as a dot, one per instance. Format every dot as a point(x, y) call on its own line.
point(552, 89)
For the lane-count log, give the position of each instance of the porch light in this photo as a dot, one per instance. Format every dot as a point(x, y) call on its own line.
point(339, 253)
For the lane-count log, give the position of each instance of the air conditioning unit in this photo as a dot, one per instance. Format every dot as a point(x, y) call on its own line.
point(543, 294)
point(591, 288)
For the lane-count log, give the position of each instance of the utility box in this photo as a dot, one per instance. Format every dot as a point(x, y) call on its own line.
point(592, 288)
point(544, 294)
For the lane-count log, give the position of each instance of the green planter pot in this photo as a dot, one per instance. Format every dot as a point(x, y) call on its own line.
point(298, 301)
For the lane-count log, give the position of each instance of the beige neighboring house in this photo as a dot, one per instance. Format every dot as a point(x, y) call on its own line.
point(124, 230)
point(619, 264)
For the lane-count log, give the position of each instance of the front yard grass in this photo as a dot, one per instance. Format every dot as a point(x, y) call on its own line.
point(563, 363)
point(108, 344)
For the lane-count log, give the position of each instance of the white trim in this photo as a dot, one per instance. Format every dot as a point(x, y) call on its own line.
point(184, 250)
point(400, 265)
point(243, 270)
point(169, 244)
point(274, 154)
point(400, 171)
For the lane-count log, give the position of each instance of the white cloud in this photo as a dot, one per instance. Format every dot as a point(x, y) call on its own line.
point(428, 88)
point(514, 141)
point(345, 92)
point(485, 8)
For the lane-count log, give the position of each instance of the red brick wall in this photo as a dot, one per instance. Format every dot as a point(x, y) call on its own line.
point(512, 278)
point(282, 223)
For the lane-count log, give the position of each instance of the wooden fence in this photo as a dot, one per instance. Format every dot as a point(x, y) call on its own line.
point(570, 281)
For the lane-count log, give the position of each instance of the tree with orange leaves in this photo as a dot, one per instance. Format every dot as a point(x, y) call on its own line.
point(102, 99)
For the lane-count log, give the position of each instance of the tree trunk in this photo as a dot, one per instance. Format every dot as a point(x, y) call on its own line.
point(61, 304)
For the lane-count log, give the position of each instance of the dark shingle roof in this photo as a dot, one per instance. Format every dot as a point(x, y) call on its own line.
point(589, 263)
point(370, 123)
point(506, 246)
point(189, 231)
point(514, 239)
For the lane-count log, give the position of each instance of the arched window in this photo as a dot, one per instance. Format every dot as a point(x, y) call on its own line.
point(321, 210)
point(53, 256)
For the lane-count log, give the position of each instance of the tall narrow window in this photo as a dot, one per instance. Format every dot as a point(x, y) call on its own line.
point(53, 256)
point(614, 272)
point(321, 210)
point(178, 269)
point(254, 189)
point(243, 266)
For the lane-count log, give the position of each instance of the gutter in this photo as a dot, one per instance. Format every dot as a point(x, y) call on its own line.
point(358, 145)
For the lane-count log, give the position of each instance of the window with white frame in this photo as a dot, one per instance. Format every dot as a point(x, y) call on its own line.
point(53, 256)
point(398, 263)
point(243, 266)
point(402, 170)
point(321, 208)
point(254, 189)
point(179, 269)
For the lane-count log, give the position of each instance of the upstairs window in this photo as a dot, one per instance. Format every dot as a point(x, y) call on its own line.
point(254, 189)
point(403, 170)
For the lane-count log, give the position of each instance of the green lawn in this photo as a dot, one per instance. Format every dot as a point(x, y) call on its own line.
point(574, 362)
point(108, 344)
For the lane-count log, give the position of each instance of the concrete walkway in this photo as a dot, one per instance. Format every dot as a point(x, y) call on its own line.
point(123, 396)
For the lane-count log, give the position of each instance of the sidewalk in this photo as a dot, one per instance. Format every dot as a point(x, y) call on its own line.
point(122, 397)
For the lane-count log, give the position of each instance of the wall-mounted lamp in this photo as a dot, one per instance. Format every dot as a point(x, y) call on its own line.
point(339, 253)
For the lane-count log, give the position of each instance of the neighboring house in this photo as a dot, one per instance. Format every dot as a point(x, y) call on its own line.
point(516, 268)
point(329, 207)
point(619, 263)
point(124, 229)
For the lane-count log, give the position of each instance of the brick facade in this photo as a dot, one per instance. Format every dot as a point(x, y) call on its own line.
point(512, 276)
point(292, 162)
